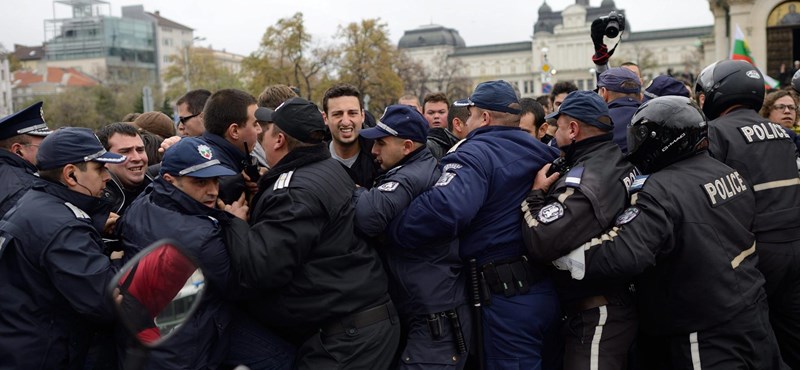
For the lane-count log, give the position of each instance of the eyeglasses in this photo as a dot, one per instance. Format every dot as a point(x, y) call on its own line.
point(183, 119)
point(784, 106)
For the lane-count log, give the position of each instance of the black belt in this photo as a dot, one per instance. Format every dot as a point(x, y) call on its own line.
point(352, 323)
point(511, 277)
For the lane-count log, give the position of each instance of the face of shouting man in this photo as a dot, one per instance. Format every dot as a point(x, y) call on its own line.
point(131, 172)
point(344, 119)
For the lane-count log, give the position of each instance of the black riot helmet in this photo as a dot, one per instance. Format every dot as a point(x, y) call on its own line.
point(727, 83)
point(665, 130)
point(796, 81)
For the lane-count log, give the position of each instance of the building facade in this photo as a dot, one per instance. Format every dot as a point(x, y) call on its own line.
point(560, 49)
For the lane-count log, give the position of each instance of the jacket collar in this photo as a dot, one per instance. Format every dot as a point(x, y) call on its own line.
point(98, 209)
point(575, 151)
point(229, 155)
point(12, 159)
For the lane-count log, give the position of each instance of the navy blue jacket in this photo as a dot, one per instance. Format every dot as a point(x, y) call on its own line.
point(53, 278)
point(164, 211)
point(477, 198)
point(621, 111)
point(230, 187)
point(16, 177)
point(424, 280)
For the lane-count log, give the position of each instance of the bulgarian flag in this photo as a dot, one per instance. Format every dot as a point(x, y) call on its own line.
point(740, 51)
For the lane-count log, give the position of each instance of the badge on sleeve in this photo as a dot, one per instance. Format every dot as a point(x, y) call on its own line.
point(627, 216)
point(550, 213)
point(389, 186)
point(445, 179)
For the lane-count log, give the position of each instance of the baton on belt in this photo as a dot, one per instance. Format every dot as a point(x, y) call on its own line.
point(476, 307)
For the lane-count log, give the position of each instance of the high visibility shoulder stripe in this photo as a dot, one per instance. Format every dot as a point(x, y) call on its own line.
point(776, 184)
point(79, 213)
point(745, 253)
point(526, 213)
point(594, 355)
point(694, 348)
point(566, 194)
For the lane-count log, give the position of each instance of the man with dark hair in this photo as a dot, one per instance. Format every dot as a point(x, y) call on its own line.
point(319, 285)
point(532, 119)
point(440, 139)
point(128, 179)
point(343, 112)
point(475, 201)
point(547, 105)
point(186, 195)
point(54, 276)
point(560, 92)
point(190, 107)
point(274, 95)
point(20, 136)
point(232, 130)
point(457, 121)
point(622, 91)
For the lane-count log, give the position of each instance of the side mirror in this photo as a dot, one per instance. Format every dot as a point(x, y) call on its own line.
point(156, 291)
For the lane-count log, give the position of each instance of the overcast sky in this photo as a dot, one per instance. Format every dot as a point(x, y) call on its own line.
point(237, 25)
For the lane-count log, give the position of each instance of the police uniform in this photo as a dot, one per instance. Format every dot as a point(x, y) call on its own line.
point(475, 201)
point(700, 294)
point(621, 111)
point(53, 274)
point(765, 156)
point(17, 174)
point(581, 204)
point(206, 337)
point(316, 280)
point(426, 284)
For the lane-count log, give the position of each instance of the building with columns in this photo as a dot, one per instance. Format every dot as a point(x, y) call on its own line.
point(559, 49)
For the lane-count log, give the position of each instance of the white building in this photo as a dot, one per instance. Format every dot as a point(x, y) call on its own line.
point(560, 50)
point(6, 106)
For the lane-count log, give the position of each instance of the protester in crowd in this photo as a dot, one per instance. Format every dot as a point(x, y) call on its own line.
point(190, 106)
point(157, 123)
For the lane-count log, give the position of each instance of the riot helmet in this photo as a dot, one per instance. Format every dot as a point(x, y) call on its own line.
point(665, 130)
point(727, 83)
point(796, 81)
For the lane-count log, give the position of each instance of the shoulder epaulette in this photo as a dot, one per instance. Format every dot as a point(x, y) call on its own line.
point(573, 177)
point(79, 213)
point(456, 145)
point(638, 183)
point(283, 180)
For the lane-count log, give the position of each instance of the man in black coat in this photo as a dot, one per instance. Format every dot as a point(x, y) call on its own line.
point(317, 283)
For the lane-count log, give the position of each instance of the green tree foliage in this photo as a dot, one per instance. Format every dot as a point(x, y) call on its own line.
point(204, 72)
point(286, 56)
point(368, 62)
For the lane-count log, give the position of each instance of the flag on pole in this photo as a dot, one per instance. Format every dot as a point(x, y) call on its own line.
point(740, 51)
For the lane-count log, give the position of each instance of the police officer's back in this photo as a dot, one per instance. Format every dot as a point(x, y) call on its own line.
point(53, 273)
point(686, 237)
point(315, 280)
point(731, 92)
point(20, 136)
point(592, 190)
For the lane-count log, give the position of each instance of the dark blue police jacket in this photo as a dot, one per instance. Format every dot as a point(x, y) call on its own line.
point(164, 211)
point(53, 278)
point(621, 111)
point(477, 198)
point(424, 280)
point(16, 177)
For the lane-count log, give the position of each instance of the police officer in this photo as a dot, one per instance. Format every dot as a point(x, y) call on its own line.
point(731, 93)
point(53, 273)
point(20, 136)
point(581, 204)
point(186, 195)
point(316, 281)
point(686, 236)
point(621, 90)
point(476, 201)
point(435, 316)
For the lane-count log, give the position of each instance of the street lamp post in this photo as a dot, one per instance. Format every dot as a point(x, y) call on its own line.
point(186, 64)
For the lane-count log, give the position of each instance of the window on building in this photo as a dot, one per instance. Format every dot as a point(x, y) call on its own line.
point(167, 42)
point(165, 59)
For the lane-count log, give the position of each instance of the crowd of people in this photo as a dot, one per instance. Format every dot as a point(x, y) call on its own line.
point(621, 228)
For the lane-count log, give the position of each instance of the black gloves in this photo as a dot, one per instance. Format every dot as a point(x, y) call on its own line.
point(601, 52)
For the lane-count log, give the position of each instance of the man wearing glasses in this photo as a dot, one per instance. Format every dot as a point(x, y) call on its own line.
point(190, 107)
point(20, 136)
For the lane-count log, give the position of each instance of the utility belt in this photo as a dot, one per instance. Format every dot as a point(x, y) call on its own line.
point(509, 277)
point(436, 323)
point(351, 324)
